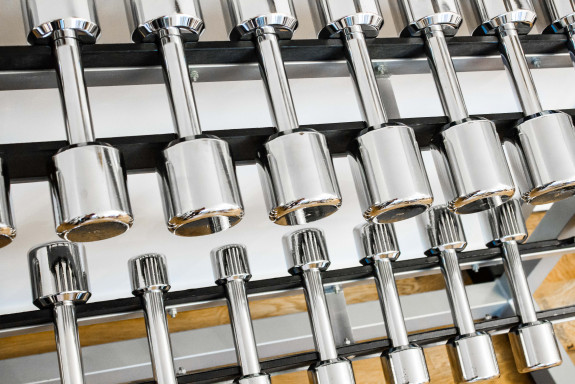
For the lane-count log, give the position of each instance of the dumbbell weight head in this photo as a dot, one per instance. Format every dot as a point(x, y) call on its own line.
point(245, 16)
point(375, 241)
point(562, 14)
point(230, 262)
point(331, 17)
point(494, 13)
point(304, 249)
point(148, 272)
point(405, 365)
point(534, 346)
point(58, 273)
point(419, 15)
point(463, 352)
point(336, 371)
point(147, 17)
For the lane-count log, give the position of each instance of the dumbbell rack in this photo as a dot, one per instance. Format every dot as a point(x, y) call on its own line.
point(131, 64)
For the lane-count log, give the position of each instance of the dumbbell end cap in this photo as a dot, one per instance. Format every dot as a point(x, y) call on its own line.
point(473, 358)
point(376, 241)
point(7, 235)
point(230, 262)
point(95, 227)
point(58, 273)
point(405, 365)
point(337, 371)
point(534, 346)
point(305, 249)
point(494, 14)
point(259, 378)
point(148, 272)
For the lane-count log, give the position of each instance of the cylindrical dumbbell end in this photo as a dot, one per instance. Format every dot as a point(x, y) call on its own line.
point(230, 262)
point(561, 14)
point(260, 378)
point(405, 365)
point(199, 200)
point(148, 272)
point(534, 346)
point(43, 17)
point(494, 14)
point(419, 15)
point(507, 223)
point(338, 371)
point(147, 17)
point(244, 17)
point(298, 177)
point(445, 229)
point(389, 174)
point(58, 273)
point(305, 249)
point(472, 357)
point(331, 17)
point(376, 241)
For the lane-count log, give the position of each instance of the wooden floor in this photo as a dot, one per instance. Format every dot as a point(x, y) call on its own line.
point(557, 290)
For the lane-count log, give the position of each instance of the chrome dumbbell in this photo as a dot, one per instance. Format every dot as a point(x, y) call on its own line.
point(197, 176)
point(471, 352)
point(88, 181)
point(545, 140)
point(149, 277)
point(7, 227)
point(468, 149)
point(404, 362)
point(295, 166)
point(390, 178)
point(306, 255)
point(562, 15)
point(533, 342)
point(59, 281)
point(231, 269)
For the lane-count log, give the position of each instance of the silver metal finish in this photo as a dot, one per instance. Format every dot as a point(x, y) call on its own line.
point(88, 183)
point(296, 170)
point(471, 353)
point(562, 15)
point(7, 225)
point(306, 255)
point(197, 176)
point(545, 139)
point(533, 341)
point(404, 362)
point(469, 150)
point(149, 278)
point(231, 269)
point(59, 281)
point(389, 175)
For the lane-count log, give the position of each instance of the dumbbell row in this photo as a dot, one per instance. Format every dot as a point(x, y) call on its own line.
point(59, 280)
point(89, 195)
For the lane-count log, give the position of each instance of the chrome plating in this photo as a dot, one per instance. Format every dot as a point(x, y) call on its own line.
point(331, 17)
point(420, 15)
point(493, 14)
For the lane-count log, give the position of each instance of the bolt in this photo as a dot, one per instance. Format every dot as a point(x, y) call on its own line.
point(173, 312)
point(536, 62)
point(488, 317)
point(194, 75)
point(347, 341)
point(381, 71)
point(475, 268)
point(182, 371)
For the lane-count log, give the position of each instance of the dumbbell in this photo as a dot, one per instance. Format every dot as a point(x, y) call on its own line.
point(87, 180)
point(149, 277)
point(471, 352)
point(562, 15)
point(60, 282)
point(197, 176)
point(545, 140)
point(296, 169)
point(306, 256)
point(231, 270)
point(467, 150)
point(533, 341)
point(404, 362)
point(7, 227)
point(388, 170)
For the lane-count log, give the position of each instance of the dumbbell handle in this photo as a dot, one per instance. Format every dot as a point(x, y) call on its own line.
point(158, 336)
point(178, 81)
point(361, 70)
point(517, 67)
point(246, 347)
point(390, 305)
point(70, 73)
point(68, 343)
point(275, 79)
point(319, 315)
point(444, 74)
point(518, 282)
point(462, 318)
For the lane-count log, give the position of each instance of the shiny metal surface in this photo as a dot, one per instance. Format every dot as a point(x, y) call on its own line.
point(58, 273)
point(305, 249)
point(534, 346)
point(561, 13)
point(507, 223)
point(405, 365)
point(473, 358)
point(199, 200)
point(231, 269)
point(89, 193)
point(375, 241)
point(331, 17)
point(146, 18)
point(418, 15)
point(149, 277)
point(492, 14)
point(43, 17)
point(298, 177)
point(244, 17)
point(7, 224)
point(59, 280)
point(445, 229)
point(334, 371)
